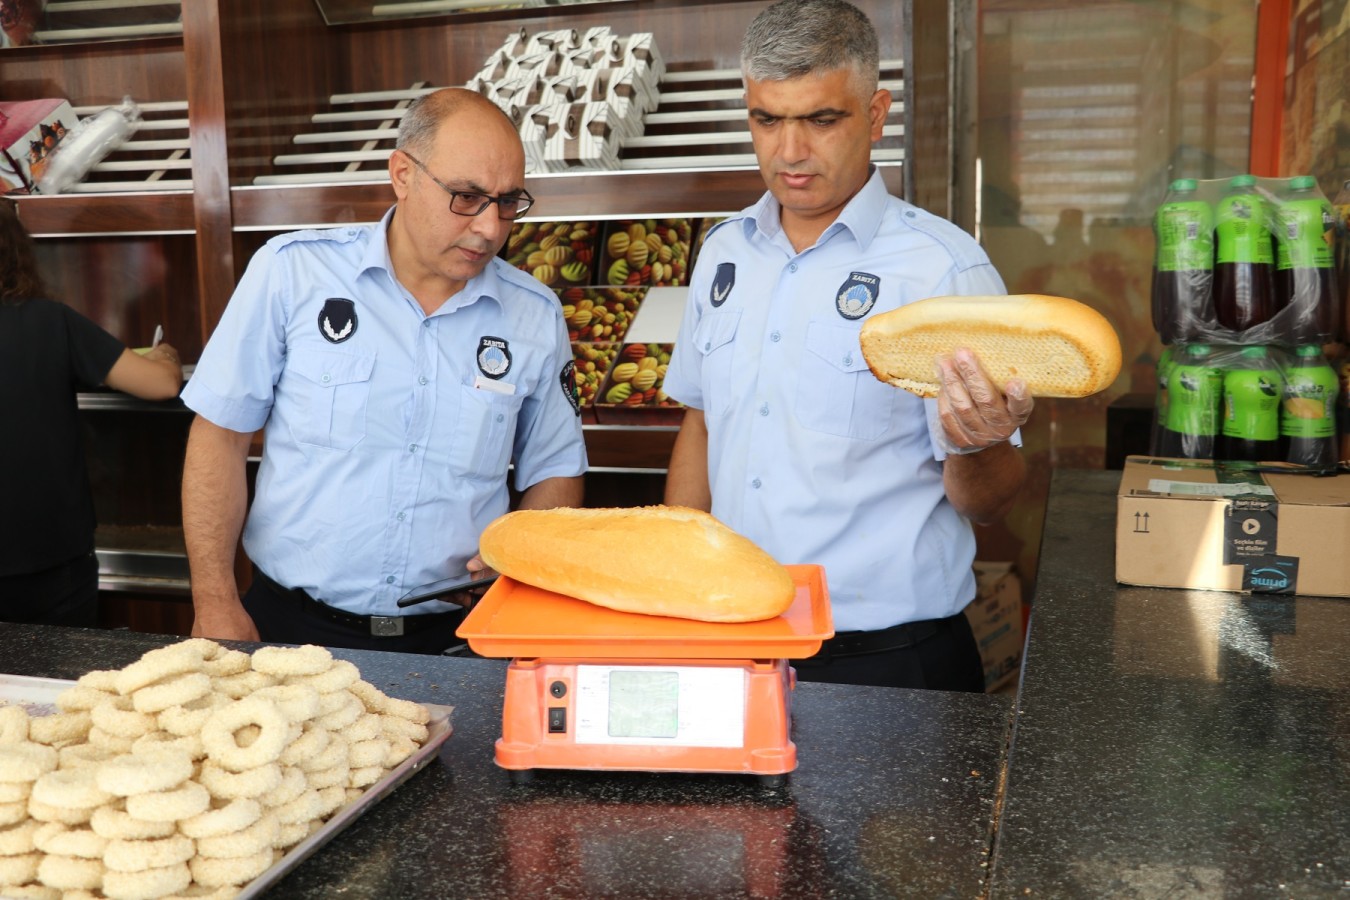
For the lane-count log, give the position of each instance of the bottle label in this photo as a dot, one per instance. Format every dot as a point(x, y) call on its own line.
point(1309, 409)
point(1251, 405)
point(1193, 395)
point(1185, 237)
point(1242, 233)
point(1305, 234)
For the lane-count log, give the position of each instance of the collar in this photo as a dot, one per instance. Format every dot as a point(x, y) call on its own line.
point(861, 216)
point(376, 256)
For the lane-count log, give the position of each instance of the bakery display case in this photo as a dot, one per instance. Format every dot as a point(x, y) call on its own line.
point(264, 116)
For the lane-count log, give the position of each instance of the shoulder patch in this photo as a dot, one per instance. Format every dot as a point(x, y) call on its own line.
point(343, 235)
point(964, 251)
point(516, 278)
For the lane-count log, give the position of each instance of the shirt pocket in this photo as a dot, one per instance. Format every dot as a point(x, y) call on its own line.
point(486, 431)
point(713, 340)
point(836, 391)
point(337, 390)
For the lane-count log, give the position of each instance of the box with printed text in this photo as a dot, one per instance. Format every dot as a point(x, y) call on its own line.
point(995, 616)
point(1232, 527)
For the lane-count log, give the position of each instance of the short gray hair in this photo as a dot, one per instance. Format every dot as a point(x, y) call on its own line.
point(793, 38)
point(423, 119)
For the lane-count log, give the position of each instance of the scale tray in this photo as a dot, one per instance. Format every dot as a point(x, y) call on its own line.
point(519, 620)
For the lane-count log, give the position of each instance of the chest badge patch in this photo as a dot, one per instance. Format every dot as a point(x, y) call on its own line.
point(494, 356)
point(723, 281)
point(568, 379)
point(858, 295)
point(337, 320)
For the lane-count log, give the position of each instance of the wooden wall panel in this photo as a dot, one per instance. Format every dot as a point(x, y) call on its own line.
point(96, 74)
point(128, 285)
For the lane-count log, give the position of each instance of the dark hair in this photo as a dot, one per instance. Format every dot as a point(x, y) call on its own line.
point(793, 38)
point(19, 276)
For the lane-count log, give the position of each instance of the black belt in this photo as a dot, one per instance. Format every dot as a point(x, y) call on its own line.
point(377, 626)
point(897, 637)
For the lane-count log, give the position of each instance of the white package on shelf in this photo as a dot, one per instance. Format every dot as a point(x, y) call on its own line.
point(88, 143)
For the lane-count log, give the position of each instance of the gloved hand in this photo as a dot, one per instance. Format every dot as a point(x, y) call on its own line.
point(974, 414)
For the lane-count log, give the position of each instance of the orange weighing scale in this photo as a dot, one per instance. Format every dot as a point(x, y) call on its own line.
point(593, 688)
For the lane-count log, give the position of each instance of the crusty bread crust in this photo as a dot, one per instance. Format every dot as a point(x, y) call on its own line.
point(657, 560)
point(1058, 346)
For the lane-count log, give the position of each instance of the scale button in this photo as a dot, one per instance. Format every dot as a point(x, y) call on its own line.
point(558, 689)
point(557, 719)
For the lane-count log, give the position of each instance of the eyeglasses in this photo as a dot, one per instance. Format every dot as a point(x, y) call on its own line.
point(470, 203)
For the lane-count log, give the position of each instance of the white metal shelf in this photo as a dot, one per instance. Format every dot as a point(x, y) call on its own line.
point(702, 111)
point(71, 21)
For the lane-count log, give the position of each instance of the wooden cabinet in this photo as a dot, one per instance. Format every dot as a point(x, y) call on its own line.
point(254, 74)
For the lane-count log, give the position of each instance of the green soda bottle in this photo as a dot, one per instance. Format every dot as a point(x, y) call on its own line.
point(1308, 415)
point(1167, 359)
point(1305, 265)
point(1193, 392)
point(1251, 408)
point(1183, 264)
point(1244, 291)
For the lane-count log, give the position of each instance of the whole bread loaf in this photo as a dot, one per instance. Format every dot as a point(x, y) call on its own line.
point(687, 564)
point(1058, 346)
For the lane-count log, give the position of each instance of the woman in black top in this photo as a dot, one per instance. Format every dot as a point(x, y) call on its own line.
point(48, 572)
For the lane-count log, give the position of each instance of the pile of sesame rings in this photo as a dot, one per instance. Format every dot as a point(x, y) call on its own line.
point(190, 772)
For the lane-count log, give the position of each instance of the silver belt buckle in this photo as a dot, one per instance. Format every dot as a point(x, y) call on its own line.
point(386, 626)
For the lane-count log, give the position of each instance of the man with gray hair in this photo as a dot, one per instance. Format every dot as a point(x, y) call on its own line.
point(396, 370)
point(789, 439)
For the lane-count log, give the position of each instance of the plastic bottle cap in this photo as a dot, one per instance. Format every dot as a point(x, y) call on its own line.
point(1187, 184)
point(1255, 352)
point(1309, 350)
point(1199, 349)
point(1302, 183)
point(1242, 181)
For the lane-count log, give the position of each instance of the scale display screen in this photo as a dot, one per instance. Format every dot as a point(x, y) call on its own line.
point(679, 706)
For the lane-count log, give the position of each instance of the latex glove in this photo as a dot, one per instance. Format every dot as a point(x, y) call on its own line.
point(974, 414)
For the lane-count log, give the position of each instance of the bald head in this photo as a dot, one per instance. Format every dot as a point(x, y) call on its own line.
point(417, 132)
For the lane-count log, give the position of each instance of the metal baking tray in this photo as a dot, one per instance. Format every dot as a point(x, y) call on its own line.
point(39, 696)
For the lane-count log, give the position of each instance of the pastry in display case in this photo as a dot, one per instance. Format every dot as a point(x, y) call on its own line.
point(593, 361)
point(633, 391)
point(599, 314)
point(556, 253)
point(647, 252)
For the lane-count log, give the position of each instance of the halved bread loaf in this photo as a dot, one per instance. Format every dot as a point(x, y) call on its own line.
point(677, 561)
point(1058, 346)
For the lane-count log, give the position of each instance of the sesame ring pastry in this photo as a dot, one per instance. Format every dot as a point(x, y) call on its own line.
point(233, 816)
point(70, 873)
point(150, 884)
point(218, 734)
point(184, 802)
point(173, 691)
point(309, 659)
point(155, 769)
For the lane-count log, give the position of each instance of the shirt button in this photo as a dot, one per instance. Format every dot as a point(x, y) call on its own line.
point(402, 516)
point(775, 337)
point(500, 417)
point(764, 409)
point(756, 484)
point(707, 346)
point(792, 267)
point(327, 378)
point(848, 360)
point(422, 379)
point(412, 448)
point(909, 213)
point(389, 580)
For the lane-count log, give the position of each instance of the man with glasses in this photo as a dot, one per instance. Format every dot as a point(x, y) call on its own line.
point(396, 370)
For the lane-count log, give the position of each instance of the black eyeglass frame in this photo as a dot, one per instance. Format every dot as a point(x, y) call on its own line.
point(523, 200)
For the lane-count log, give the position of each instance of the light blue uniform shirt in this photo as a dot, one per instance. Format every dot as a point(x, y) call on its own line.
point(388, 432)
point(809, 455)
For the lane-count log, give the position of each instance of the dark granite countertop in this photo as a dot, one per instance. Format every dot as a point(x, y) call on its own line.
point(1172, 743)
point(894, 794)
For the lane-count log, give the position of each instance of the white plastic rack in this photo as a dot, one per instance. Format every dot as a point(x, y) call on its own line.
point(154, 159)
point(700, 124)
point(69, 21)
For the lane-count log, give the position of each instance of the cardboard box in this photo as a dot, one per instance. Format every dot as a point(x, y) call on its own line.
point(29, 131)
point(1232, 527)
point(995, 616)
